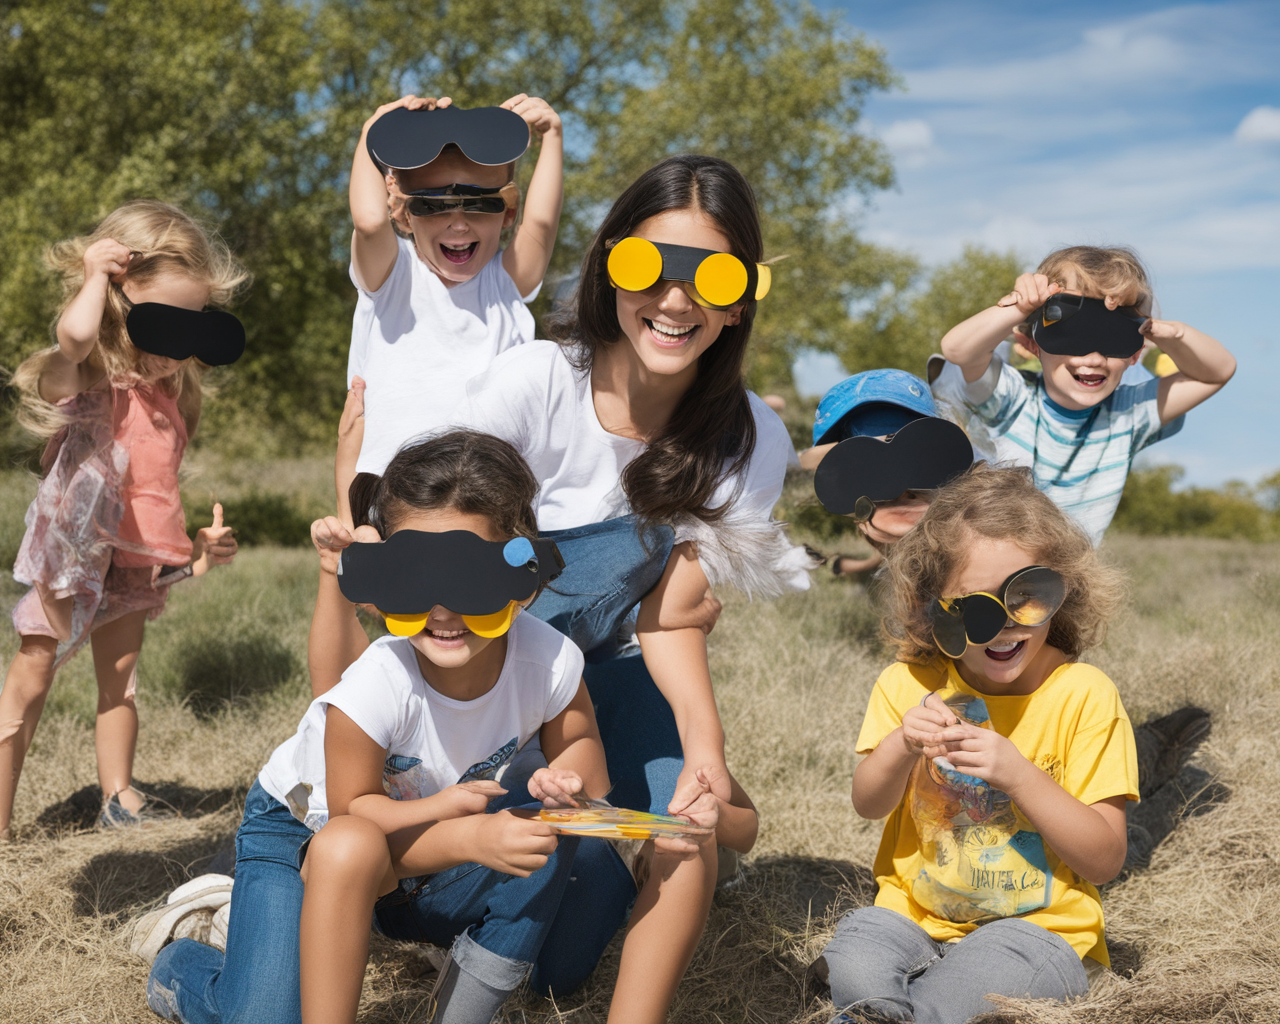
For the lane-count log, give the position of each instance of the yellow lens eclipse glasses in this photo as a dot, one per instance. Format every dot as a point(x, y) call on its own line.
point(412, 571)
point(1030, 597)
point(714, 280)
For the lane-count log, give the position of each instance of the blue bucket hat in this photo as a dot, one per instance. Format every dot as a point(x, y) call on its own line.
point(871, 404)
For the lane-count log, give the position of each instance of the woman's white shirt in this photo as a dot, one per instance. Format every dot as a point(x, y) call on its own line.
point(432, 741)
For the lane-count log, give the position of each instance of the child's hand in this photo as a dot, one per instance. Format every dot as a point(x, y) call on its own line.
point(213, 545)
point(923, 725)
point(106, 258)
point(536, 112)
point(512, 843)
point(1030, 292)
point(463, 798)
point(412, 102)
point(1163, 330)
point(984, 753)
point(556, 787)
point(330, 536)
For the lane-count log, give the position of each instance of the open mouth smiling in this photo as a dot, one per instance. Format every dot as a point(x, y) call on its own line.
point(1090, 380)
point(458, 253)
point(1005, 651)
point(670, 334)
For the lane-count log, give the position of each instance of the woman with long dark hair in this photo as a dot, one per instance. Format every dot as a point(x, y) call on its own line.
point(659, 472)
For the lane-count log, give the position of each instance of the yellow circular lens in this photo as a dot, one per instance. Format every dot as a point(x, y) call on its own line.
point(492, 625)
point(405, 625)
point(721, 279)
point(634, 264)
point(765, 281)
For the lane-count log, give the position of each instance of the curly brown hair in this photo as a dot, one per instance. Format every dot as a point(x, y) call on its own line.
point(997, 503)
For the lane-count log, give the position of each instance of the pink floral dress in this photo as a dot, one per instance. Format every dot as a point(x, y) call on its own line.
point(107, 516)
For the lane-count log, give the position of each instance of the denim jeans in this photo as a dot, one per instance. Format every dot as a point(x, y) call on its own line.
point(256, 981)
point(881, 961)
point(609, 567)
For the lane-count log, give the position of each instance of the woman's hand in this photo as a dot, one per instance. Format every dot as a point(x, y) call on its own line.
point(536, 112)
point(699, 776)
point(511, 843)
point(703, 810)
point(330, 536)
point(923, 725)
point(985, 754)
point(556, 787)
point(213, 545)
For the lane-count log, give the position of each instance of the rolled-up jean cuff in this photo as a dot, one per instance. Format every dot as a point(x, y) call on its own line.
point(498, 972)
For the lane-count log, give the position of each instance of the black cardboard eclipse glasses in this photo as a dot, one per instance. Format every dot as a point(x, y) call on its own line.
point(412, 571)
point(859, 471)
point(1030, 597)
point(213, 336)
point(404, 139)
point(1073, 325)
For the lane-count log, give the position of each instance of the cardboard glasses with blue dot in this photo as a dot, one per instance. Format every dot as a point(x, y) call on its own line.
point(411, 572)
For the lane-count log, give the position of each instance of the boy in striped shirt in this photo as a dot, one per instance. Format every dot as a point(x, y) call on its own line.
point(1075, 424)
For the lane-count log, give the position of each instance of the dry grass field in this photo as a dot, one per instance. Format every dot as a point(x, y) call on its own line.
point(1196, 937)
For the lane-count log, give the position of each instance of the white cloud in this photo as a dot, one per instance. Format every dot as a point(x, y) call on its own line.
point(1261, 124)
point(910, 135)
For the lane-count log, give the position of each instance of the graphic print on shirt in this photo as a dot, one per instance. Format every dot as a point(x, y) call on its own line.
point(405, 778)
point(980, 859)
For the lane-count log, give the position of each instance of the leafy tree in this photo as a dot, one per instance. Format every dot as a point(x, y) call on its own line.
point(246, 112)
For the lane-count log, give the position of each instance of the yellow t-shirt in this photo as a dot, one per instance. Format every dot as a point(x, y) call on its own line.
point(990, 862)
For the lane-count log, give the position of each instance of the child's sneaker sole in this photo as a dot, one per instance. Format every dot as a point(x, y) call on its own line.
point(152, 931)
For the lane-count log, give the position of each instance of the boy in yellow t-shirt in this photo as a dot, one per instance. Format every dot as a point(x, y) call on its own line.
point(1003, 764)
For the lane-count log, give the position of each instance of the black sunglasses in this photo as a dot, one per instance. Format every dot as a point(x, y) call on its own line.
point(452, 198)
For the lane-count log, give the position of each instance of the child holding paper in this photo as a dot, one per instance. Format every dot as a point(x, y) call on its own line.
point(1003, 764)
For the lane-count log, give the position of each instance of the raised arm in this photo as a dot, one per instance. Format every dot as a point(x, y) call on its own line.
point(1204, 366)
point(373, 242)
point(337, 639)
point(970, 344)
point(529, 254)
point(65, 374)
point(350, 439)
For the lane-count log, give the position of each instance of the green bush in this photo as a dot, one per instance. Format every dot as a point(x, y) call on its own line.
point(1151, 506)
point(259, 517)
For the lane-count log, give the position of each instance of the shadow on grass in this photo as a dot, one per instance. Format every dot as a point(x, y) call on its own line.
point(80, 810)
point(217, 671)
point(118, 883)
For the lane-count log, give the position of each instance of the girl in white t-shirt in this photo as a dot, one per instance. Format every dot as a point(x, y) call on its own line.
point(642, 435)
point(388, 778)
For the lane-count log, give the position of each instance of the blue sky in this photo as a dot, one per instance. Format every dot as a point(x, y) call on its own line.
point(1155, 125)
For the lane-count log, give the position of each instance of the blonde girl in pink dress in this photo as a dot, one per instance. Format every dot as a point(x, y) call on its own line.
point(106, 536)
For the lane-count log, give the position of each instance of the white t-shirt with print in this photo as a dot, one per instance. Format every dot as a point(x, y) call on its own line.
point(534, 398)
point(432, 741)
point(416, 343)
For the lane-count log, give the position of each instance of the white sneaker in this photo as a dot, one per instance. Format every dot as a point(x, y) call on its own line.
point(201, 896)
point(218, 927)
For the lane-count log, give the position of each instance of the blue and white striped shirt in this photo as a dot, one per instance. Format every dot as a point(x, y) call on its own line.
point(1080, 458)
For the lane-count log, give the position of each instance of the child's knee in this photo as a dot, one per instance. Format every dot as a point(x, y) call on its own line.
point(348, 848)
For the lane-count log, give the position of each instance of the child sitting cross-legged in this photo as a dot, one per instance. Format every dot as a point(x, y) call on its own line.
point(1002, 763)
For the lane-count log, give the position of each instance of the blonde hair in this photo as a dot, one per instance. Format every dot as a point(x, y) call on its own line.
point(1000, 504)
point(164, 241)
point(1108, 270)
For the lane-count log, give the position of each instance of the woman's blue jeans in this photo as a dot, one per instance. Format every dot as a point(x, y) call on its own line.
point(609, 567)
point(257, 978)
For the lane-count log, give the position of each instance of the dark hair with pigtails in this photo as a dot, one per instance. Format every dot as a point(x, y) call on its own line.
point(462, 471)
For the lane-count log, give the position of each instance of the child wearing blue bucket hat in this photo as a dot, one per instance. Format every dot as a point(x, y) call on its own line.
point(876, 403)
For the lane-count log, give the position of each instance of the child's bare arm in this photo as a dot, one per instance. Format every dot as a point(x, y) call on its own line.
point(880, 778)
point(1204, 366)
point(1091, 839)
point(811, 457)
point(350, 438)
point(529, 254)
point(65, 373)
point(738, 824)
point(337, 639)
point(373, 242)
point(970, 344)
point(575, 755)
point(677, 660)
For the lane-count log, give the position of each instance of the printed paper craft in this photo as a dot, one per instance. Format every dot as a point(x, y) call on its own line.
point(404, 139)
point(1072, 325)
point(213, 336)
point(718, 279)
point(1030, 597)
point(411, 572)
point(598, 820)
point(860, 471)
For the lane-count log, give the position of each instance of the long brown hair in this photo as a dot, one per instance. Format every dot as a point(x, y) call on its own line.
point(1002, 504)
point(164, 241)
point(712, 425)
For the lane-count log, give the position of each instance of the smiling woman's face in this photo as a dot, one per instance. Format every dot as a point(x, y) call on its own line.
point(667, 330)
